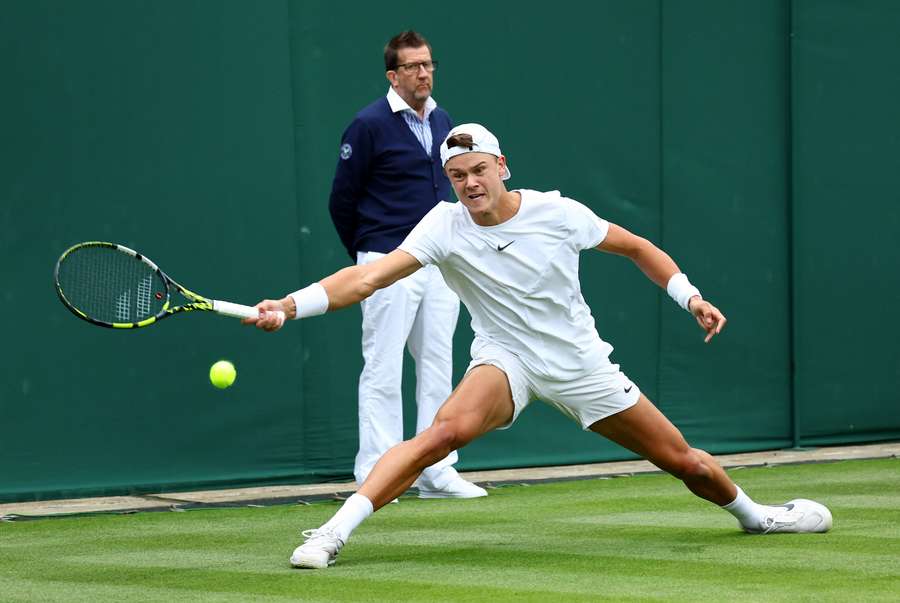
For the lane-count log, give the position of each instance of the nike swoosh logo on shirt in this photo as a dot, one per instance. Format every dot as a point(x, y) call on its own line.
point(505, 246)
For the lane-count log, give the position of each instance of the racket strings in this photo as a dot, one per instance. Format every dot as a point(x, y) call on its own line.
point(111, 286)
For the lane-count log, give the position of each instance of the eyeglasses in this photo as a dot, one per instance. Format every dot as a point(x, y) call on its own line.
point(411, 68)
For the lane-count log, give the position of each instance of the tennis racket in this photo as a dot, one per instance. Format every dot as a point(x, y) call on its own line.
point(113, 286)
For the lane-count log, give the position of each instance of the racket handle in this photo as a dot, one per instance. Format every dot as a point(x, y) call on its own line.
point(236, 310)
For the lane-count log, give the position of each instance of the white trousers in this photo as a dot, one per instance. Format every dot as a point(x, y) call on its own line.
point(420, 312)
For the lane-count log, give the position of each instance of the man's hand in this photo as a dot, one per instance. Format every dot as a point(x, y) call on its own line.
point(708, 317)
point(270, 319)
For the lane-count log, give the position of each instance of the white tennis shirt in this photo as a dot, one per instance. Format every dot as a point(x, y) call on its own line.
point(519, 279)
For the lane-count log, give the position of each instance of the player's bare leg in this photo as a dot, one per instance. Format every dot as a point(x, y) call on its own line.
point(480, 403)
point(646, 431)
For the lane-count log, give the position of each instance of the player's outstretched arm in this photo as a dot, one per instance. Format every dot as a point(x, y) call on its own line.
point(662, 270)
point(343, 288)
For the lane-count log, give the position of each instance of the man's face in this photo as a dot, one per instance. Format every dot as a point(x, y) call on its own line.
point(413, 83)
point(476, 178)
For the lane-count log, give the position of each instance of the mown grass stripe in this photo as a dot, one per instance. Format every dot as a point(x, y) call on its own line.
point(638, 539)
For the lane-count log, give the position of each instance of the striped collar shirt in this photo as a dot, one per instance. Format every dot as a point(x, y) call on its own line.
point(421, 128)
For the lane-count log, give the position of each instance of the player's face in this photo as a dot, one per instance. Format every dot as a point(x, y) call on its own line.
point(476, 178)
point(412, 84)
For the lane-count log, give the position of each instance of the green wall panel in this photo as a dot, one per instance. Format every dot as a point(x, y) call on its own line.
point(607, 158)
point(725, 220)
point(160, 126)
point(846, 219)
point(205, 134)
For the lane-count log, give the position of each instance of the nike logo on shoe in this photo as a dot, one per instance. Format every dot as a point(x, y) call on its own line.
point(499, 248)
point(796, 516)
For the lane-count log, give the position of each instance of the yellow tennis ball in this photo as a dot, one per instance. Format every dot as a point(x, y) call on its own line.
point(222, 374)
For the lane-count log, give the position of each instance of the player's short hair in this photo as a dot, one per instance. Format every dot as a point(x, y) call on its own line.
point(468, 138)
point(404, 39)
point(460, 140)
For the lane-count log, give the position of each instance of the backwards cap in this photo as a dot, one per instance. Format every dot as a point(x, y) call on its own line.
point(482, 142)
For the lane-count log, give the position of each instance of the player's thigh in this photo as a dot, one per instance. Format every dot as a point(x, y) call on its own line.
point(480, 403)
point(643, 429)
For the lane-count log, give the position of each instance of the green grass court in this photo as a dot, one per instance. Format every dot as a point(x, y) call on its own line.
point(642, 538)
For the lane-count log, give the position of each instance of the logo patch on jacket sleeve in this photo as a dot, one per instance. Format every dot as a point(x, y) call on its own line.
point(346, 151)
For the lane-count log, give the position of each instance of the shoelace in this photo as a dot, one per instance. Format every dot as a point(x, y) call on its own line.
point(780, 519)
point(322, 537)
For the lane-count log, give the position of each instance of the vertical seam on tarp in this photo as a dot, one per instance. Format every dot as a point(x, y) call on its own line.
point(789, 177)
point(301, 397)
point(661, 193)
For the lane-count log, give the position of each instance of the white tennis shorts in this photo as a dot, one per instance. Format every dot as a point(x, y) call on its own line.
point(587, 399)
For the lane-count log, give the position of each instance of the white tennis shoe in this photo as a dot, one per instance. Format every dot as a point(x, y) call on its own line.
point(319, 550)
point(795, 516)
point(455, 488)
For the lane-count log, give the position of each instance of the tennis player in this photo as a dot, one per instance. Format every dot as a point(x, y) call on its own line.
point(512, 257)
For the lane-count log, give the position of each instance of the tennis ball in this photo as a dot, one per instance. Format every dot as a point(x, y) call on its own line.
point(222, 374)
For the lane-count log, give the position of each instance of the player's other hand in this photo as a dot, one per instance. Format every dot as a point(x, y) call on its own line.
point(708, 317)
point(271, 316)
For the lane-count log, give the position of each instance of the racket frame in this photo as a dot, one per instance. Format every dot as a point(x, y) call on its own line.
point(196, 301)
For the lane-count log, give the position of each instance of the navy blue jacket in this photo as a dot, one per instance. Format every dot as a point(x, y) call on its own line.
point(385, 182)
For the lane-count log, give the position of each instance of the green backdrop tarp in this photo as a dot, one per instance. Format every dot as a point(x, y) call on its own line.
point(724, 218)
point(846, 218)
point(161, 126)
point(756, 141)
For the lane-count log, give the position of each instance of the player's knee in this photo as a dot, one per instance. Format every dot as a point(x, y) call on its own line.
point(446, 436)
point(689, 465)
point(438, 440)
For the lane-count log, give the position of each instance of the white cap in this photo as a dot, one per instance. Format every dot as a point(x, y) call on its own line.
point(482, 142)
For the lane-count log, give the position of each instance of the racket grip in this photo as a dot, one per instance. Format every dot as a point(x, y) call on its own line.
point(236, 310)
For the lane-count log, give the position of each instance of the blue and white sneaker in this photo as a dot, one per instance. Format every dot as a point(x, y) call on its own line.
point(319, 550)
point(795, 516)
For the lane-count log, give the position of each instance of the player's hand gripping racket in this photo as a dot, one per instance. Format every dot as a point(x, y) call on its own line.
point(113, 286)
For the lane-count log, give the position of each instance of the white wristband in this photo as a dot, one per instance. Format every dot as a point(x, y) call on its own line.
point(310, 301)
point(681, 290)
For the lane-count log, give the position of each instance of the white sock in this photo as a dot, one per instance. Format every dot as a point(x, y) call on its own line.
point(747, 512)
point(352, 513)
